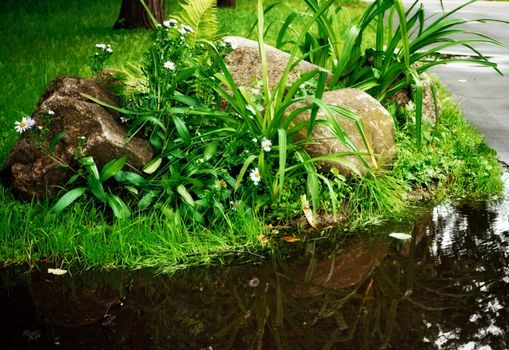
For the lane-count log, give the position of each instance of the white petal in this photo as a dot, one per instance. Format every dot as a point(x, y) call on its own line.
point(57, 272)
point(401, 236)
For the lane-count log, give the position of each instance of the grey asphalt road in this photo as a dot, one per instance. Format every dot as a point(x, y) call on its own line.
point(483, 94)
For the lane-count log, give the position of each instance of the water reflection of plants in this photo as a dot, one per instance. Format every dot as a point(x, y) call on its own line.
point(410, 295)
point(446, 286)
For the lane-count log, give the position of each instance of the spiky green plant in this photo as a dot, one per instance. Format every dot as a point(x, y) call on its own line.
point(401, 53)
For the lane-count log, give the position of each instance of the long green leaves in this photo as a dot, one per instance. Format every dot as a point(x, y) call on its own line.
point(406, 42)
point(94, 182)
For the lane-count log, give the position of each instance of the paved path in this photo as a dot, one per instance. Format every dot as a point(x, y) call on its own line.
point(483, 93)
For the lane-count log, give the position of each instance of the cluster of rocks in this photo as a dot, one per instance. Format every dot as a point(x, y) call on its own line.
point(97, 131)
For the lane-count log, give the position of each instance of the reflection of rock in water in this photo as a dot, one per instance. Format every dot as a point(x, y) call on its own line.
point(343, 269)
point(73, 303)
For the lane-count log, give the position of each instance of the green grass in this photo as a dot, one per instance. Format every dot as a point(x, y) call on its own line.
point(44, 39)
point(83, 236)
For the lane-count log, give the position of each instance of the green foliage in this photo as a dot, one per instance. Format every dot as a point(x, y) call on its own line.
point(203, 151)
point(401, 52)
point(201, 16)
point(216, 170)
point(98, 60)
point(95, 185)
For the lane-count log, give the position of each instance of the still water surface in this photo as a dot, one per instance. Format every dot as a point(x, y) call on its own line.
point(446, 288)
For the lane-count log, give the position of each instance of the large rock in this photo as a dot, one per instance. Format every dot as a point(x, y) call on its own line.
point(90, 128)
point(244, 63)
point(378, 126)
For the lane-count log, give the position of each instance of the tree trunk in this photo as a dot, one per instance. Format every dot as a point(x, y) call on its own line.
point(226, 3)
point(133, 14)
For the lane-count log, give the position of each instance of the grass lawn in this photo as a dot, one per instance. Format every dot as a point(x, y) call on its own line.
point(44, 39)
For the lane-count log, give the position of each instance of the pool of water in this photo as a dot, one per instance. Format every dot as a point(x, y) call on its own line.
point(446, 288)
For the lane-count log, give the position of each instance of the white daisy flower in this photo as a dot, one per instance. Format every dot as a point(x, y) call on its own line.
point(172, 22)
point(255, 176)
point(101, 46)
point(182, 30)
point(25, 124)
point(251, 109)
point(124, 120)
point(255, 92)
point(51, 112)
point(254, 140)
point(266, 144)
point(169, 65)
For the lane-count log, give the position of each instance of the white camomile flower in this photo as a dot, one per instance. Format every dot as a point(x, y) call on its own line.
point(170, 23)
point(51, 112)
point(25, 124)
point(254, 140)
point(255, 176)
point(255, 92)
point(169, 65)
point(184, 29)
point(266, 144)
point(104, 47)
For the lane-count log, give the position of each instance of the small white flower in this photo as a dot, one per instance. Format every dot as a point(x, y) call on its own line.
point(255, 92)
point(255, 176)
point(182, 30)
point(172, 22)
point(25, 124)
point(50, 112)
point(266, 144)
point(254, 140)
point(251, 109)
point(104, 47)
point(124, 120)
point(169, 65)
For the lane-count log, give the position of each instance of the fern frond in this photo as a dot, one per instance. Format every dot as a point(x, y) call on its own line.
point(201, 15)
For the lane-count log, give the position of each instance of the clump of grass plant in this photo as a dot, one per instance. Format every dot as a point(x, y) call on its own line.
point(203, 151)
point(407, 44)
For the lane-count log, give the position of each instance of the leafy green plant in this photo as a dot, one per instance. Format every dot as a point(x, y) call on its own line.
point(95, 185)
point(268, 117)
point(99, 58)
point(203, 151)
point(407, 44)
